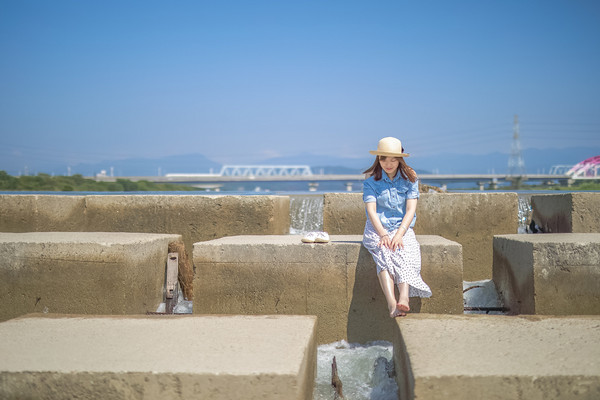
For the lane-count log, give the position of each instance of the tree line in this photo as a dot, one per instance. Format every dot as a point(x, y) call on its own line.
point(77, 183)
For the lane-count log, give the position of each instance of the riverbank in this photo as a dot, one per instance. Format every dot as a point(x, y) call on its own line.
point(48, 183)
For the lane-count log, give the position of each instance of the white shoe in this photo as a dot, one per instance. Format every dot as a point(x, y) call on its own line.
point(310, 237)
point(316, 237)
point(322, 237)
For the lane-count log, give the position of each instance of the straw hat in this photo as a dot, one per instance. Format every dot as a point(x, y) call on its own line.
point(389, 147)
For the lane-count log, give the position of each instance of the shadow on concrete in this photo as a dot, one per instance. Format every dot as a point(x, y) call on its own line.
point(368, 318)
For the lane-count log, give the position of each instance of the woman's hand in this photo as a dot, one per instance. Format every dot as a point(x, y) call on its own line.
point(397, 242)
point(385, 241)
point(393, 244)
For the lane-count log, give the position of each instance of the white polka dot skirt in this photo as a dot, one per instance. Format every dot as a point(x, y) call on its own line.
point(403, 265)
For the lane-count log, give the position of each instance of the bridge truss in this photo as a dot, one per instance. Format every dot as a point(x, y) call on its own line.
point(265, 170)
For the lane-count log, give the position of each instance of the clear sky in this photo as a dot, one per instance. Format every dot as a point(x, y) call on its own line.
point(240, 81)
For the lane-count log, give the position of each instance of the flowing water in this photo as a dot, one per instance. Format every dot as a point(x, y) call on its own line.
point(366, 371)
point(524, 213)
point(482, 294)
point(306, 213)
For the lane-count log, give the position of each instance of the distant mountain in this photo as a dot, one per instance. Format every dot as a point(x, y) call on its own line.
point(452, 163)
point(192, 163)
point(23, 164)
point(321, 161)
point(541, 160)
point(536, 161)
point(335, 170)
point(339, 170)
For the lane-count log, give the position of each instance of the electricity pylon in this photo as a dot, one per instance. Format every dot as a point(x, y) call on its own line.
point(516, 165)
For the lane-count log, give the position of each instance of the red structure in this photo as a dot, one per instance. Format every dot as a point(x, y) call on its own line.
point(587, 168)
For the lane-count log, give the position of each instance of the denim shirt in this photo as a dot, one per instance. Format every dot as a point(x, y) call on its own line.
point(390, 197)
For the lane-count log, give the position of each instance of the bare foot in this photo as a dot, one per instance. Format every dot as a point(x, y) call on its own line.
point(395, 311)
point(403, 307)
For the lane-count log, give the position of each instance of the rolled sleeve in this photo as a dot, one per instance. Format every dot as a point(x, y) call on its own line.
point(369, 195)
point(413, 191)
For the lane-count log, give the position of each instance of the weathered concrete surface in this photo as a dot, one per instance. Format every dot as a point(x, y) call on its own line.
point(497, 357)
point(82, 272)
point(471, 219)
point(158, 357)
point(196, 218)
point(344, 213)
point(576, 212)
point(33, 213)
point(555, 274)
point(278, 274)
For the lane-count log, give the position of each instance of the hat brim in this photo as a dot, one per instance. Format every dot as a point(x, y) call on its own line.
point(384, 153)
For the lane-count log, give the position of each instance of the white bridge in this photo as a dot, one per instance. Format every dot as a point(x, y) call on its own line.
point(253, 171)
point(265, 170)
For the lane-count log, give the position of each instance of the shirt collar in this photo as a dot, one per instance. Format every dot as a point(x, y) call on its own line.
point(387, 178)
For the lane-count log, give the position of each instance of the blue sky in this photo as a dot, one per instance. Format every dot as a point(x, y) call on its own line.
point(241, 81)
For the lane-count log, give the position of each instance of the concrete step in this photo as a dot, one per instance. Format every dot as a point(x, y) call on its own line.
point(552, 274)
point(158, 357)
point(82, 272)
point(336, 281)
point(497, 357)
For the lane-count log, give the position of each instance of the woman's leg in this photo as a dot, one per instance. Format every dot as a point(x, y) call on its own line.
point(387, 285)
point(403, 297)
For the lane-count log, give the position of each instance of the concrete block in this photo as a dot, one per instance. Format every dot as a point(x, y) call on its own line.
point(278, 274)
point(196, 218)
point(344, 213)
point(577, 212)
point(40, 213)
point(471, 219)
point(497, 357)
point(83, 272)
point(556, 274)
point(158, 357)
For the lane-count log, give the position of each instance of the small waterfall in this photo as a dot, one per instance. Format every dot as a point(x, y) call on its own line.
point(524, 213)
point(306, 213)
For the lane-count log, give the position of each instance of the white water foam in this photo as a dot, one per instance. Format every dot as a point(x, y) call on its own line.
point(366, 371)
point(524, 213)
point(481, 294)
point(306, 214)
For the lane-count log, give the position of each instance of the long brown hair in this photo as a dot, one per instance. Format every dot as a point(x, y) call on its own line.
point(405, 171)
